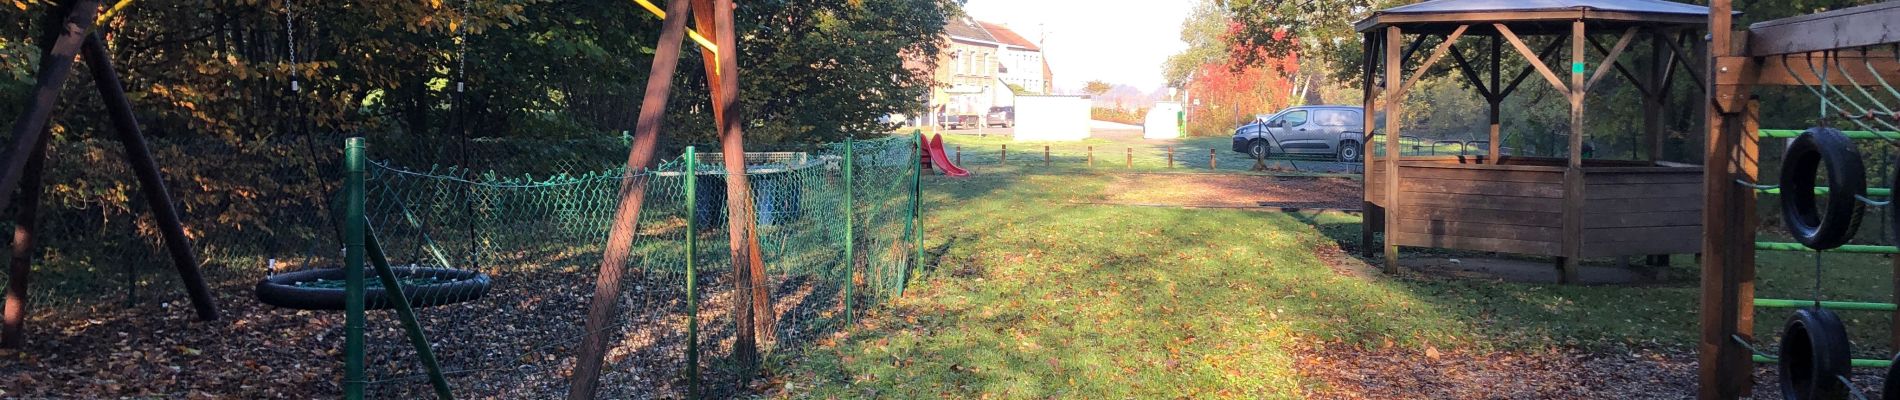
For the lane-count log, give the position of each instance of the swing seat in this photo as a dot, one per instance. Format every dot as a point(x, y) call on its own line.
point(322, 289)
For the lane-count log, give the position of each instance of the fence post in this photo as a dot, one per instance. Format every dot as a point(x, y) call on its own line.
point(1131, 158)
point(1170, 157)
point(690, 185)
point(353, 253)
point(407, 315)
point(847, 154)
point(850, 217)
point(916, 224)
point(1045, 155)
point(1212, 162)
point(1004, 159)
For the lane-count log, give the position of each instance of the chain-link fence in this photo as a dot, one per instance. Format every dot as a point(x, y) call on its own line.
point(500, 268)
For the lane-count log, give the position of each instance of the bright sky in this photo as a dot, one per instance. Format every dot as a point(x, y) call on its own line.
point(1118, 41)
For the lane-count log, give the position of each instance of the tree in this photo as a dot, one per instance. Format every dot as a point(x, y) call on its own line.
point(1097, 88)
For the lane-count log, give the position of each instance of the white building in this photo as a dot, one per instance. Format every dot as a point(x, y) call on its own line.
point(1021, 61)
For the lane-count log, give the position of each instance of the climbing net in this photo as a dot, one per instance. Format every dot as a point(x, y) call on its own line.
point(1824, 193)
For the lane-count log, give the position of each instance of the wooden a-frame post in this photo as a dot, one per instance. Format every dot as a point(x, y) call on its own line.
point(71, 34)
point(715, 21)
point(633, 186)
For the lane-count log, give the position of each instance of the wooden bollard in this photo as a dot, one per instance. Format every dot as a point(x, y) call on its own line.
point(1170, 157)
point(1131, 158)
point(1091, 156)
point(959, 154)
point(1212, 163)
point(1004, 158)
point(1045, 155)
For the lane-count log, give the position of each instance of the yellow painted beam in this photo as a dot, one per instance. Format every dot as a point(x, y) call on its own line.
point(690, 33)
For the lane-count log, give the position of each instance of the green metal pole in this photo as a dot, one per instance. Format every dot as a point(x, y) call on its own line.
point(1851, 248)
point(690, 185)
point(1856, 363)
point(1792, 133)
point(392, 290)
point(353, 251)
point(1832, 305)
point(916, 209)
point(850, 242)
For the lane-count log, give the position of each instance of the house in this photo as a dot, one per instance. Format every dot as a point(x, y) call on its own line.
point(1021, 61)
point(978, 64)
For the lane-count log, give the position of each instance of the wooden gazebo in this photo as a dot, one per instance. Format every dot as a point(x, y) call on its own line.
point(1570, 207)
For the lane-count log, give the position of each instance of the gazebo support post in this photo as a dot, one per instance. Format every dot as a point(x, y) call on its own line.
point(1373, 219)
point(1495, 98)
point(1573, 171)
point(1655, 113)
point(1394, 98)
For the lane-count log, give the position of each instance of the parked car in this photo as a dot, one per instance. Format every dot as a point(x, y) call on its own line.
point(1002, 116)
point(958, 121)
point(1304, 130)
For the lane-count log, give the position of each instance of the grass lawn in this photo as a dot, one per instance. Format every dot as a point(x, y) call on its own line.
point(1033, 296)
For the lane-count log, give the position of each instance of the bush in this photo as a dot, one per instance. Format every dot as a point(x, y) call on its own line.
point(1131, 117)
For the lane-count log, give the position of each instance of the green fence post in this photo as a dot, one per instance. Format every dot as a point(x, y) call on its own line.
point(353, 251)
point(916, 207)
point(689, 184)
point(850, 215)
point(392, 290)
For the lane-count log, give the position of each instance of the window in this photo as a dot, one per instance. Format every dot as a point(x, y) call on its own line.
point(1335, 117)
point(1292, 119)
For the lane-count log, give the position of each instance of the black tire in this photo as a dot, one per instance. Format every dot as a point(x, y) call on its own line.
point(1259, 149)
point(1846, 178)
point(1349, 151)
point(1891, 389)
point(1814, 353)
point(282, 290)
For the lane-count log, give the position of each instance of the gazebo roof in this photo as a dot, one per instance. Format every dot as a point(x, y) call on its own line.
point(1444, 12)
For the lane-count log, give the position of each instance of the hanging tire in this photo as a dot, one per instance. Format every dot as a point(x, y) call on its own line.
point(1846, 178)
point(1814, 353)
point(315, 289)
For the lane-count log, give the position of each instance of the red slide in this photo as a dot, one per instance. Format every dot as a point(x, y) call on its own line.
point(934, 152)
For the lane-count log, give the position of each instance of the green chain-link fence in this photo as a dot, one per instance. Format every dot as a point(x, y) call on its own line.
point(537, 238)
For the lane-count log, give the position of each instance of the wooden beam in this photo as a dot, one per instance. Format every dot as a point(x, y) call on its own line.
point(1612, 58)
point(1470, 74)
point(1655, 110)
point(1437, 53)
point(1573, 171)
point(1371, 221)
point(1845, 28)
point(1844, 68)
point(1394, 100)
point(1497, 96)
point(1533, 58)
point(20, 268)
point(632, 197)
point(151, 181)
point(740, 213)
point(1724, 368)
point(1546, 52)
point(1682, 57)
point(55, 65)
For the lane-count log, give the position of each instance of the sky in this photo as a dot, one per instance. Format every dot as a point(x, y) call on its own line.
point(1117, 41)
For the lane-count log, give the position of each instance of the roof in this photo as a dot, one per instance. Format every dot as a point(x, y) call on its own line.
point(1005, 36)
point(968, 29)
point(1504, 11)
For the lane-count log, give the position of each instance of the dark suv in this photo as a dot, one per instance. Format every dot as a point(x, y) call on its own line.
point(1002, 116)
point(1305, 130)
